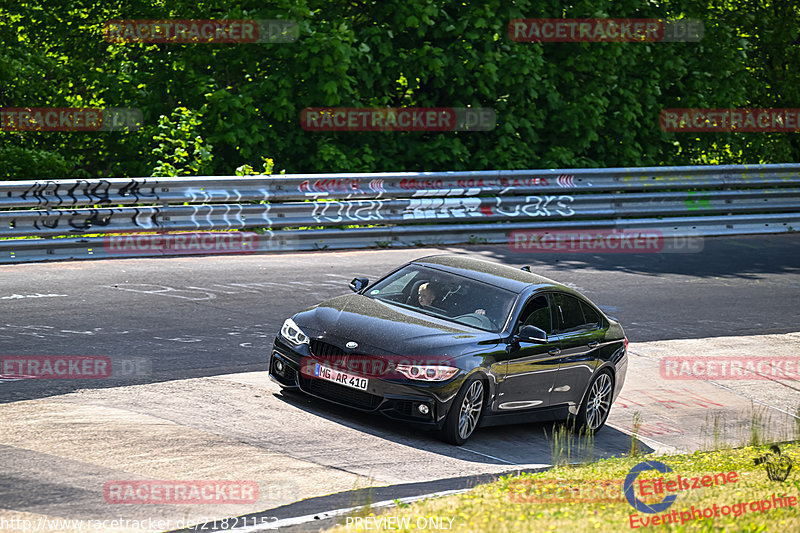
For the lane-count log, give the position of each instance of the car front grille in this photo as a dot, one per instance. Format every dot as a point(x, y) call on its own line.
point(404, 407)
point(340, 393)
point(324, 349)
point(332, 355)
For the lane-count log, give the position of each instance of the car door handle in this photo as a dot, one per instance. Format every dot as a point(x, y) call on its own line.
point(592, 344)
point(554, 351)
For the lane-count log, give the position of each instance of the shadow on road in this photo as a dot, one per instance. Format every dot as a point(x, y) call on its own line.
point(510, 445)
point(741, 257)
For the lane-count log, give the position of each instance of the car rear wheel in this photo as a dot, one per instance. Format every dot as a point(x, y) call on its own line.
point(597, 404)
point(465, 413)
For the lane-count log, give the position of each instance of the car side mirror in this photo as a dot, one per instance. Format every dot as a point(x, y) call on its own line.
point(358, 284)
point(532, 334)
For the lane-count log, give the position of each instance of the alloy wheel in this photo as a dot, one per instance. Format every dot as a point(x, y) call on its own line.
point(470, 409)
point(599, 402)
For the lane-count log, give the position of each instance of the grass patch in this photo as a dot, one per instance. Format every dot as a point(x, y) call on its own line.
point(590, 498)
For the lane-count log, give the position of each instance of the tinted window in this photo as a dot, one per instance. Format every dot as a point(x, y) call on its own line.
point(591, 317)
point(571, 314)
point(537, 313)
point(575, 315)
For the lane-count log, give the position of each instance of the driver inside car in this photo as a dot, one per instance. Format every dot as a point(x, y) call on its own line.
point(428, 294)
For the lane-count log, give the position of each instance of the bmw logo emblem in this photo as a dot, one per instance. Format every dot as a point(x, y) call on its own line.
point(351, 345)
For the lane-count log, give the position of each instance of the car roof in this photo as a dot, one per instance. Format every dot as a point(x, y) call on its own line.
point(503, 276)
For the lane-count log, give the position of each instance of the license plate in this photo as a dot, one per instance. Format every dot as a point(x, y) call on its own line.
point(342, 378)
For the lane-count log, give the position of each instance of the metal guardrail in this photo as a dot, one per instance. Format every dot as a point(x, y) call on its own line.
point(392, 209)
point(141, 191)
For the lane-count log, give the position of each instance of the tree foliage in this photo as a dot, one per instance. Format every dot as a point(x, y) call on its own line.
point(211, 108)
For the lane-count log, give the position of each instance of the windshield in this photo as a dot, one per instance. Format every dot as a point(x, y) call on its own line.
point(444, 295)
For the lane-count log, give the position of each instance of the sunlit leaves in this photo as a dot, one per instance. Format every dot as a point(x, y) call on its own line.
point(557, 104)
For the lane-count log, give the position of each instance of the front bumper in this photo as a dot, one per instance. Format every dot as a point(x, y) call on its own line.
point(393, 398)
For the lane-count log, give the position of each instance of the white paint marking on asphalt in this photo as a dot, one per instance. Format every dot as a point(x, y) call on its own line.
point(490, 456)
point(286, 522)
point(37, 295)
point(180, 339)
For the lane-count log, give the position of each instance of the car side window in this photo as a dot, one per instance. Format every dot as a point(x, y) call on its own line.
point(571, 314)
point(537, 313)
point(590, 316)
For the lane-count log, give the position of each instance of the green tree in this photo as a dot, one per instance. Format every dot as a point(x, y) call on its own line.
point(558, 104)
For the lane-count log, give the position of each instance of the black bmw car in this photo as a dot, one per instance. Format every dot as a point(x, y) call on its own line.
point(451, 342)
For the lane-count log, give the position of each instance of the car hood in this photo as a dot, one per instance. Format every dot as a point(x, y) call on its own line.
point(382, 328)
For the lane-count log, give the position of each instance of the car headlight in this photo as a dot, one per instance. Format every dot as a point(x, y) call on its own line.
point(292, 333)
point(427, 372)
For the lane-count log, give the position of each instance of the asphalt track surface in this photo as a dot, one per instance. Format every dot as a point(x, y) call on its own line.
point(203, 327)
point(203, 316)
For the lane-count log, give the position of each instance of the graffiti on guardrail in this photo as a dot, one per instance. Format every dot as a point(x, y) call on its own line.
point(96, 192)
point(359, 210)
point(347, 186)
point(417, 184)
point(201, 194)
point(226, 212)
point(752, 199)
point(534, 206)
point(442, 208)
point(240, 216)
point(77, 220)
point(82, 220)
point(330, 185)
point(423, 186)
point(696, 200)
point(564, 180)
point(529, 206)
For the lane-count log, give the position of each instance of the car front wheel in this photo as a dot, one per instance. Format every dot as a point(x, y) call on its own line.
point(465, 412)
